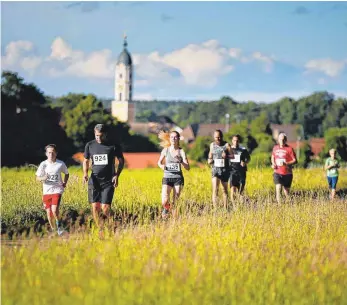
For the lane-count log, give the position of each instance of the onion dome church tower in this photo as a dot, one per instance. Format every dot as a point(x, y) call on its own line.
point(122, 107)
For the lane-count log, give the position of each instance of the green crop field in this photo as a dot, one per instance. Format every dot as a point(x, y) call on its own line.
point(256, 252)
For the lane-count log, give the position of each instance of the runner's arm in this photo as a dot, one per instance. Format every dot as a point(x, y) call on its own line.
point(293, 161)
point(273, 164)
point(41, 179)
point(185, 161)
point(210, 156)
point(85, 169)
point(326, 166)
point(40, 174)
point(120, 166)
point(66, 179)
point(160, 161)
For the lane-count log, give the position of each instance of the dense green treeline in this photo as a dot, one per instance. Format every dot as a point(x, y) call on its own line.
point(30, 120)
point(316, 112)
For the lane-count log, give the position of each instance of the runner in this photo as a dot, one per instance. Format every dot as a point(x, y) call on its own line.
point(173, 179)
point(238, 166)
point(282, 159)
point(49, 173)
point(104, 176)
point(218, 156)
point(331, 166)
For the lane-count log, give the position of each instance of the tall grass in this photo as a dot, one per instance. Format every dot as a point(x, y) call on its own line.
point(257, 253)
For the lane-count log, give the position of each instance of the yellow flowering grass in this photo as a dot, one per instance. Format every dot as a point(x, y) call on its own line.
point(257, 253)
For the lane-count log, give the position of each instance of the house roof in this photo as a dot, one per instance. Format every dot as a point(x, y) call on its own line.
point(317, 145)
point(151, 127)
point(207, 130)
point(291, 130)
point(188, 134)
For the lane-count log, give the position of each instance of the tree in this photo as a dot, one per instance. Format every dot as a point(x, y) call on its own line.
point(29, 124)
point(336, 138)
point(200, 149)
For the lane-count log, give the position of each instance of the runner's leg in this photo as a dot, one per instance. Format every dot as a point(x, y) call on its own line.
point(165, 199)
point(278, 192)
point(225, 193)
point(176, 195)
point(215, 185)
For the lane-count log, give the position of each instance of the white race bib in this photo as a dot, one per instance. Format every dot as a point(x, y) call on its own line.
point(173, 167)
point(219, 162)
point(52, 178)
point(237, 159)
point(280, 162)
point(100, 159)
point(333, 171)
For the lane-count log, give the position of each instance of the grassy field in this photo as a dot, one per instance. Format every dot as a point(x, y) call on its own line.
point(256, 253)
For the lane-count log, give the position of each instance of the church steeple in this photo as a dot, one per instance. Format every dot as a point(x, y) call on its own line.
point(125, 57)
point(125, 43)
point(122, 107)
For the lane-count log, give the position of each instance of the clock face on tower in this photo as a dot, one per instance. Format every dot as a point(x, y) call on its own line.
point(120, 87)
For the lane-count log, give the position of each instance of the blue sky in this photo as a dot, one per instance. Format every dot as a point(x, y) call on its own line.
point(257, 51)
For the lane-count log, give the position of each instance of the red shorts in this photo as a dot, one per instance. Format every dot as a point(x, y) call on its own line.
point(51, 199)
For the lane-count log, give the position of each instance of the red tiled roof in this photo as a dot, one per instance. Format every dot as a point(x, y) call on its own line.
point(317, 145)
point(294, 144)
point(188, 134)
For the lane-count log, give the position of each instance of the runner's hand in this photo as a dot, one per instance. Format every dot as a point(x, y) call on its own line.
point(243, 164)
point(43, 178)
point(274, 166)
point(115, 181)
point(179, 159)
point(85, 179)
point(224, 155)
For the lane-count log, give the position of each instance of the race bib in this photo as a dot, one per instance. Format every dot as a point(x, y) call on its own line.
point(280, 162)
point(237, 159)
point(219, 162)
point(333, 171)
point(173, 167)
point(100, 159)
point(52, 178)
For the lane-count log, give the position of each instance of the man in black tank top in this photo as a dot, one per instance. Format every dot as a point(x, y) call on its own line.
point(238, 166)
point(104, 177)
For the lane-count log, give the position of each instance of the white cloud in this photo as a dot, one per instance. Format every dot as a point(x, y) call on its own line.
point(98, 64)
point(328, 66)
point(195, 64)
point(60, 50)
point(235, 53)
point(268, 61)
point(17, 54)
point(141, 83)
point(143, 97)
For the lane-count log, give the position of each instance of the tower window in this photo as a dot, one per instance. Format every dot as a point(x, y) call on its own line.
point(121, 75)
point(120, 96)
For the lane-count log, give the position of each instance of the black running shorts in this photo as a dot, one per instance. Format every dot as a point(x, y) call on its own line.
point(285, 180)
point(173, 181)
point(102, 194)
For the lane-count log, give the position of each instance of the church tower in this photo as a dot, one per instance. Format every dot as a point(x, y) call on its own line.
point(122, 107)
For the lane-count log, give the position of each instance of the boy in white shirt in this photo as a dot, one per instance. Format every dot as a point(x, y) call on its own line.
point(49, 173)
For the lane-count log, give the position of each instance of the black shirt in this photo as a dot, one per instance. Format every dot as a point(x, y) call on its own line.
point(235, 167)
point(103, 163)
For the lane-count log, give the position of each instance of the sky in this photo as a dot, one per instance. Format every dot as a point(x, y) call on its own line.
point(260, 51)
